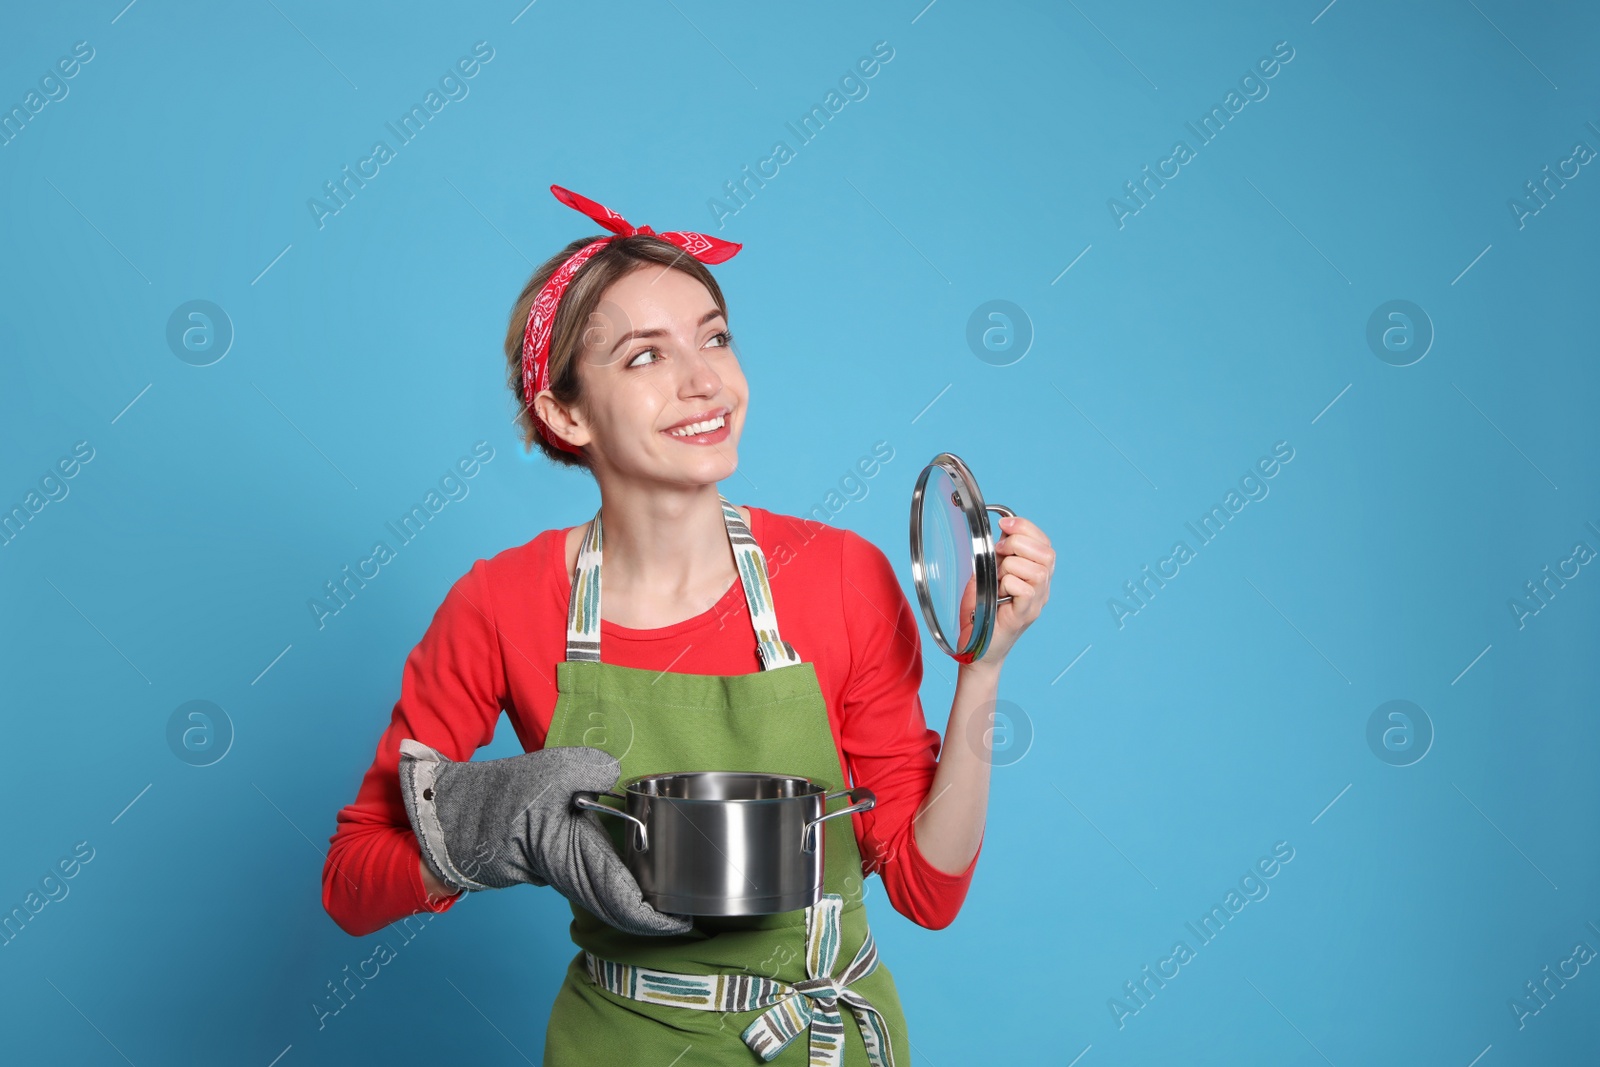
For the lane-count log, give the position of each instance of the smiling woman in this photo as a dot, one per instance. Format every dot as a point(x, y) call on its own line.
point(621, 358)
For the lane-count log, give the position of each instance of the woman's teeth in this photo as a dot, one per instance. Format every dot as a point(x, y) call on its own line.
point(699, 427)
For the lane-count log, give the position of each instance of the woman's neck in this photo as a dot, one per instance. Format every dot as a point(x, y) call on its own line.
point(666, 555)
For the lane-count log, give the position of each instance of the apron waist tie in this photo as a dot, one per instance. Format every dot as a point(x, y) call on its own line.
point(813, 1003)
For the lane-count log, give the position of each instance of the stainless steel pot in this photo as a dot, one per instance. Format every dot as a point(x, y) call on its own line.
point(726, 842)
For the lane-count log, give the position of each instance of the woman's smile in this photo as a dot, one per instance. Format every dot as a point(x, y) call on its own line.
point(705, 429)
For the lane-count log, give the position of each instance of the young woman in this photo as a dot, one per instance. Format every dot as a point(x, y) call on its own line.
point(730, 638)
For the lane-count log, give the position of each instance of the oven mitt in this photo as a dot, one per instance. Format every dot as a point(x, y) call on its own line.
point(489, 824)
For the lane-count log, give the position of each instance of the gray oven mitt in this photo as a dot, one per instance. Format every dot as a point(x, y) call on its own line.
point(489, 824)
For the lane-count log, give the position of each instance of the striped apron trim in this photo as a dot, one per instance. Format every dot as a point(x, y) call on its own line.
point(813, 1004)
point(583, 612)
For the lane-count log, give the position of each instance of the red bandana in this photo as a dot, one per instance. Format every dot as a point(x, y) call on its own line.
point(542, 316)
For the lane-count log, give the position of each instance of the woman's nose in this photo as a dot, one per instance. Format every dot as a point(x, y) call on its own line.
point(699, 377)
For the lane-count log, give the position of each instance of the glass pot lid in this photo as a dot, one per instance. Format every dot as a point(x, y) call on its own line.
point(953, 564)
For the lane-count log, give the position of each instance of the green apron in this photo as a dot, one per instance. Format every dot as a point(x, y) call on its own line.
point(610, 1009)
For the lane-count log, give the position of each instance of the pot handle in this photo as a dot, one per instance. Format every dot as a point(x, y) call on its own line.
point(863, 799)
point(591, 802)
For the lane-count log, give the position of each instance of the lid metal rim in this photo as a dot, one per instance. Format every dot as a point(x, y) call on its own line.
point(985, 569)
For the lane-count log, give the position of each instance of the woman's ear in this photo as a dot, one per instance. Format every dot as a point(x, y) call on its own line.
point(566, 423)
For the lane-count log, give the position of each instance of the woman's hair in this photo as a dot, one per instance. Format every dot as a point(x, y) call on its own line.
point(583, 296)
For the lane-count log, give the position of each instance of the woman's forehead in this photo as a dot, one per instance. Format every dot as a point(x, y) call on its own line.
point(651, 303)
point(660, 288)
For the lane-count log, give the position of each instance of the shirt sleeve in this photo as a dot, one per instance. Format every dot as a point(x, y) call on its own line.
point(888, 746)
point(451, 694)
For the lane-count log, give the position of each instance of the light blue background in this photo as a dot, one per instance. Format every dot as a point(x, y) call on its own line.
point(1224, 317)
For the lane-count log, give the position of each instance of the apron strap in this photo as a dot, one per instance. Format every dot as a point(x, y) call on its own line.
point(583, 612)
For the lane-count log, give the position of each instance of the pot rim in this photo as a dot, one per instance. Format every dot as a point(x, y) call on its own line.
point(817, 788)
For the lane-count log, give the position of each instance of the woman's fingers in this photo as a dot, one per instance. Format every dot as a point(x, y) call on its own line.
point(1028, 548)
point(1028, 584)
point(1026, 561)
point(1024, 527)
point(1030, 571)
point(1031, 544)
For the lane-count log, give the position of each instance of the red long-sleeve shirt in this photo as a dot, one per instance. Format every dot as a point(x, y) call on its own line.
point(494, 642)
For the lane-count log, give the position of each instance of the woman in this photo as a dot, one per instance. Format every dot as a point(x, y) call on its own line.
point(620, 353)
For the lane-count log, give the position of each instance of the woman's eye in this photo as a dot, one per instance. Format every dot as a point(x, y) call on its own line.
point(723, 339)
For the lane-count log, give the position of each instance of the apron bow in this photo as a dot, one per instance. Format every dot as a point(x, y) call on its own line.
point(813, 1004)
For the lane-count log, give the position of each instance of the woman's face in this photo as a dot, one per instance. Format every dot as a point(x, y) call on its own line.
point(656, 357)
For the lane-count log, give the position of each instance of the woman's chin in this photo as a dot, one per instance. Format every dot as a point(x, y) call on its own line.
point(716, 467)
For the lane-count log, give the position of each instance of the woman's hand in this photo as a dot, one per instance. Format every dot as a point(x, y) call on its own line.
point(1026, 563)
point(490, 824)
